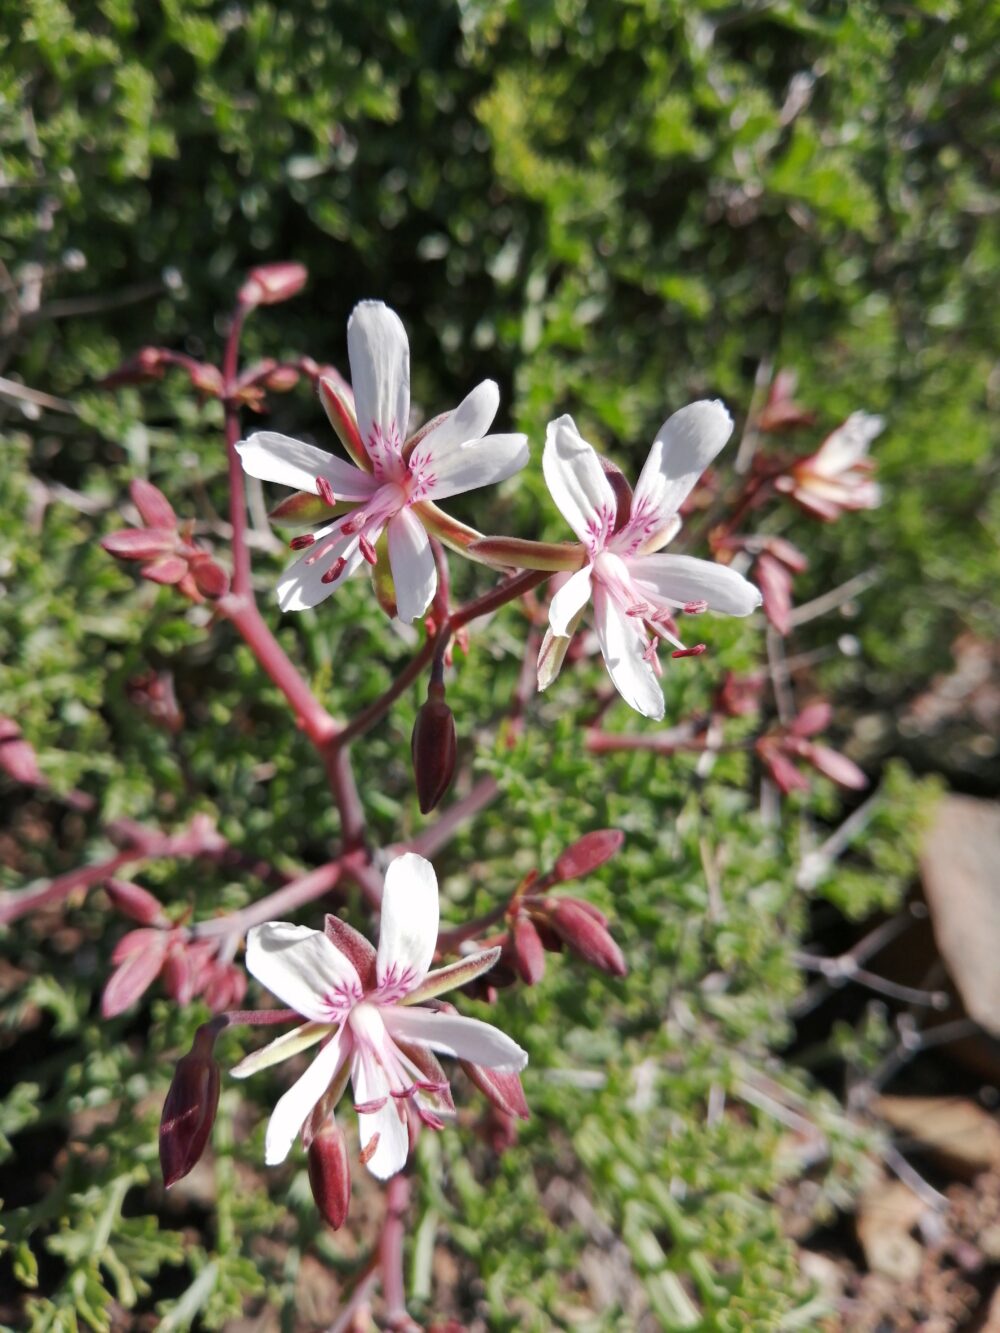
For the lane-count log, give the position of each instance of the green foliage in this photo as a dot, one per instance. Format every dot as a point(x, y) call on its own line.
point(611, 208)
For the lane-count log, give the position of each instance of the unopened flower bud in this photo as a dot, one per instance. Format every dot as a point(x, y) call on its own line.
point(282, 379)
point(528, 950)
point(587, 853)
point(330, 1173)
point(135, 902)
point(190, 1108)
point(815, 717)
point(586, 937)
point(434, 748)
point(17, 756)
point(270, 283)
point(210, 579)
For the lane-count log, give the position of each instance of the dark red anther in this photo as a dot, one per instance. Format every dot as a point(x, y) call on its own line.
point(694, 608)
point(300, 542)
point(696, 651)
point(368, 550)
point(190, 1108)
point(325, 491)
point(335, 570)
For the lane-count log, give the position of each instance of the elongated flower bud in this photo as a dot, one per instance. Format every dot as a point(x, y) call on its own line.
point(270, 283)
point(587, 853)
point(434, 748)
point(135, 902)
point(330, 1173)
point(190, 1108)
point(586, 936)
point(528, 950)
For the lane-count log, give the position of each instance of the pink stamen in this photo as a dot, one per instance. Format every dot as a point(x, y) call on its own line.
point(335, 570)
point(303, 540)
point(325, 491)
point(428, 1118)
point(696, 651)
point(368, 1151)
point(369, 1108)
point(368, 550)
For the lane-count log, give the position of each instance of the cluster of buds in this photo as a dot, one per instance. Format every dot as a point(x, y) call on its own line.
point(165, 548)
point(837, 478)
point(781, 751)
point(538, 923)
point(187, 967)
point(17, 756)
point(776, 561)
point(152, 363)
point(781, 412)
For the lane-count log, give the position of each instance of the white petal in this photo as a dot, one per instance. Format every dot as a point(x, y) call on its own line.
point(303, 969)
point(302, 586)
point(289, 1115)
point(466, 467)
point(569, 601)
point(577, 482)
point(684, 446)
point(412, 563)
point(273, 457)
point(682, 578)
point(469, 421)
point(848, 444)
point(379, 354)
point(455, 1035)
point(389, 1123)
point(282, 1048)
point(550, 658)
point(623, 646)
point(409, 927)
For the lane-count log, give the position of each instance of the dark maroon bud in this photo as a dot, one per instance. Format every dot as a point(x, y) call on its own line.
point(586, 937)
point(434, 748)
point(587, 853)
point(590, 909)
point(154, 507)
point(135, 902)
point(330, 1173)
point(138, 967)
point(528, 950)
point(211, 579)
point(551, 942)
point(270, 283)
point(190, 1108)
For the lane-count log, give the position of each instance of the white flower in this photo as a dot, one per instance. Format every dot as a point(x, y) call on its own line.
point(837, 477)
point(636, 593)
point(365, 1009)
point(454, 456)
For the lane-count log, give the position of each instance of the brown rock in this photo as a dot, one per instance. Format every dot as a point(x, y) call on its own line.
point(960, 864)
point(960, 1134)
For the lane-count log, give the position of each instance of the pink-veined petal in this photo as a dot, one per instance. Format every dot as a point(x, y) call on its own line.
point(623, 646)
point(469, 421)
point(684, 578)
point(292, 1109)
point(466, 467)
point(282, 1048)
point(379, 354)
point(278, 458)
point(569, 601)
point(301, 585)
point(412, 563)
point(409, 927)
point(388, 1123)
point(684, 446)
point(303, 969)
point(578, 484)
point(457, 1036)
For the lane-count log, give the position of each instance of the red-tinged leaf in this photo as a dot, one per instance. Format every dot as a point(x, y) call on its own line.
point(17, 756)
point(180, 979)
point(775, 584)
point(135, 902)
point(835, 766)
point(587, 853)
point(815, 717)
point(211, 579)
point(139, 941)
point(131, 980)
point(140, 543)
point(784, 773)
point(153, 505)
